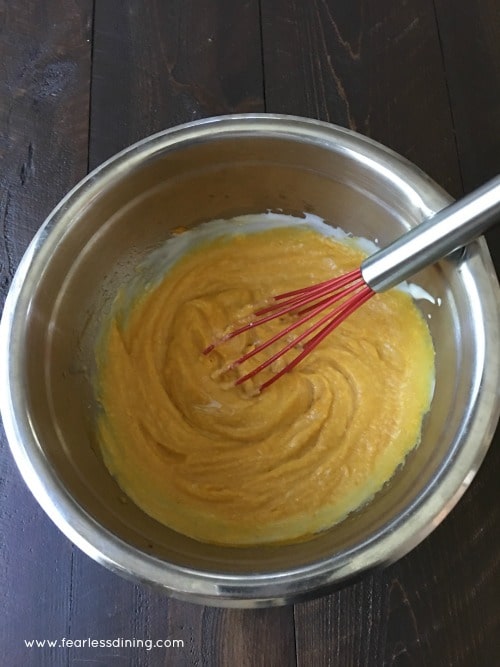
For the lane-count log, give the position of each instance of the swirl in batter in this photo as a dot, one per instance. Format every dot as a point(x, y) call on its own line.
point(223, 465)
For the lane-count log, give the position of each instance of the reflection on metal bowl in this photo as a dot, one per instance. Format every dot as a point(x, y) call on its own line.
point(218, 168)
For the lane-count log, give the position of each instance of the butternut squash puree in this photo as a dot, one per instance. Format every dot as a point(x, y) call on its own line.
point(223, 465)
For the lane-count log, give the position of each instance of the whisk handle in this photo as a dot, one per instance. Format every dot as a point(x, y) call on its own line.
point(434, 238)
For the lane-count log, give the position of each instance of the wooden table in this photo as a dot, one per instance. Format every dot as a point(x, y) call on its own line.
point(81, 79)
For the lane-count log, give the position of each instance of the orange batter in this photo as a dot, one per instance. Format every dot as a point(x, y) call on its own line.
point(223, 465)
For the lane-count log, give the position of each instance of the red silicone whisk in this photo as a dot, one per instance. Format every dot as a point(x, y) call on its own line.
point(326, 305)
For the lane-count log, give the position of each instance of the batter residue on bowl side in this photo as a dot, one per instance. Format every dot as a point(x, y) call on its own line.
point(221, 464)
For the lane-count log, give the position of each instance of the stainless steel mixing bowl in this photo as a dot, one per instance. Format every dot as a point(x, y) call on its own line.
point(93, 241)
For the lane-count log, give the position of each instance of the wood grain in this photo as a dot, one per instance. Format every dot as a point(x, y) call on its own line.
point(379, 68)
point(44, 104)
point(76, 87)
point(471, 52)
point(469, 39)
point(373, 66)
point(228, 637)
point(179, 61)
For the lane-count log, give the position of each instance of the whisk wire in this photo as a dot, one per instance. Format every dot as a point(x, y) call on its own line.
point(335, 283)
point(306, 294)
point(329, 292)
point(339, 317)
point(307, 314)
point(330, 322)
point(434, 238)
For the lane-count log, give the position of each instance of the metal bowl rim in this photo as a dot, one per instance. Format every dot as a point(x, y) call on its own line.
point(249, 589)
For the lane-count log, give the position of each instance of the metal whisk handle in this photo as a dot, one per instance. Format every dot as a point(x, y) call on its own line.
point(438, 236)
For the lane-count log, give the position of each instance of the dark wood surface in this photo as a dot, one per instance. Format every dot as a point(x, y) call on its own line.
point(81, 79)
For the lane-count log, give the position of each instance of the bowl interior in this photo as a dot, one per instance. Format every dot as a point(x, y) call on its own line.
point(134, 212)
